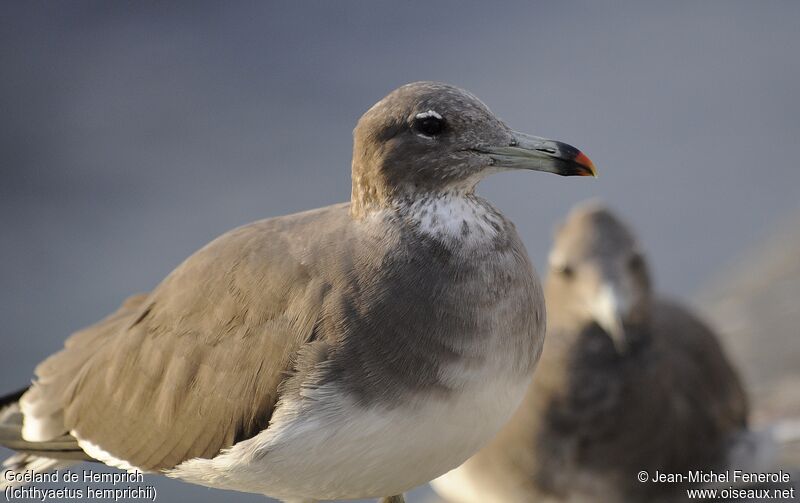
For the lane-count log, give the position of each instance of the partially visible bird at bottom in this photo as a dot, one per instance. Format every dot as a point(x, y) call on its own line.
point(629, 385)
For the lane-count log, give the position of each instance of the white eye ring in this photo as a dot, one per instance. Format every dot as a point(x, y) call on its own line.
point(429, 113)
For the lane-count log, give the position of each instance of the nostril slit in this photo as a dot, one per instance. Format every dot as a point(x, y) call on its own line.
point(547, 150)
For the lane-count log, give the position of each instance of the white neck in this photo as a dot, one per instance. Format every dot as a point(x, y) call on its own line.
point(462, 219)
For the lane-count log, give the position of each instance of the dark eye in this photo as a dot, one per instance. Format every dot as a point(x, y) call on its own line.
point(429, 123)
point(565, 271)
point(636, 262)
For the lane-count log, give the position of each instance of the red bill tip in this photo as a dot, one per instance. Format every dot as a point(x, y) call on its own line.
point(587, 163)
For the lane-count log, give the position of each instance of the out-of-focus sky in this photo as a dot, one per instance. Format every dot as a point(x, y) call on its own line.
point(131, 133)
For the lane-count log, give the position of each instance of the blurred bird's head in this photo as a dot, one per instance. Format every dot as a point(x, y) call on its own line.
point(597, 273)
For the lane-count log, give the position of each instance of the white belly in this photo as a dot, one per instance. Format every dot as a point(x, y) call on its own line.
point(459, 487)
point(334, 449)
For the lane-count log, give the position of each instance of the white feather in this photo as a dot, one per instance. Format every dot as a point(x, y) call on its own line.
point(452, 216)
point(103, 456)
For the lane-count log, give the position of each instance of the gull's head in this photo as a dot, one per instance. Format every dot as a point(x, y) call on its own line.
point(598, 272)
point(429, 137)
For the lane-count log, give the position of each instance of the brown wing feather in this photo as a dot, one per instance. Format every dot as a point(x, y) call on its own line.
point(194, 366)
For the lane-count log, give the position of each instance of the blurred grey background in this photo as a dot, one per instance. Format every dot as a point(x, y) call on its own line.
point(131, 133)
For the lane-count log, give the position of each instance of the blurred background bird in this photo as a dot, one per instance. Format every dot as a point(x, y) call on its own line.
point(628, 381)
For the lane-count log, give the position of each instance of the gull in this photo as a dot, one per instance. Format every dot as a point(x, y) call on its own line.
point(351, 351)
